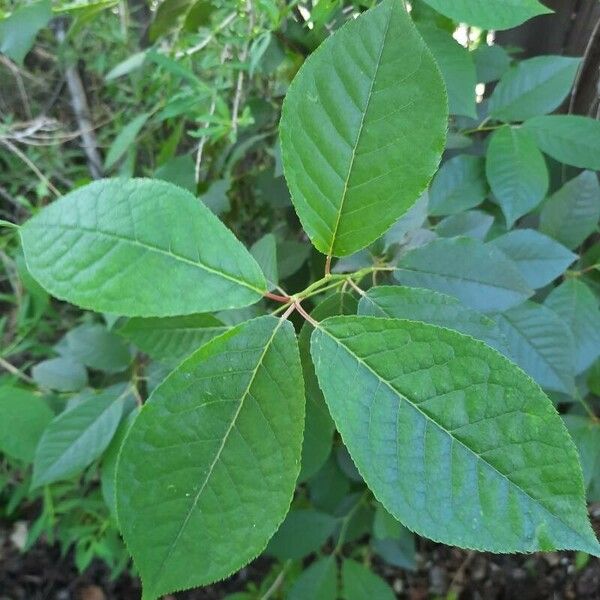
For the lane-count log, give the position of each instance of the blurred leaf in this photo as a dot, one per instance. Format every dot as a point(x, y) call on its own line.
point(457, 67)
point(75, 438)
point(539, 258)
point(533, 87)
point(318, 582)
point(19, 30)
point(180, 171)
point(459, 185)
point(541, 344)
point(124, 140)
point(577, 306)
point(216, 197)
point(265, 254)
point(491, 62)
point(60, 374)
point(517, 172)
point(571, 214)
point(360, 583)
point(471, 223)
point(23, 418)
point(476, 274)
point(570, 139)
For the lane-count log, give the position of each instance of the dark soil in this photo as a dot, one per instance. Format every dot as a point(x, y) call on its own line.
point(443, 572)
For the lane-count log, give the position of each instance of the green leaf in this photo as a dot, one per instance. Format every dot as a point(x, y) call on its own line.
point(453, 439)
point(265, 254)
point(98, 348)
point(415, 304)
point(360, 583)
point(457, 67)
point(124, 140)
point(18, 32)
point(75, 438)
point(541, 344)
point(539, 258)
point(477, 274)
point(180, 171)
point(571, 214)
point(171, 339)
point(208, 469)
point(23, 418)
point(491, 62)
point(60, 374)
point(490, 14)
point(392, 541)
point(139, 247)
point(533, 87)
point(570, 139)
point(302, 532)
point(586, 435)
point(577, 306)
point(471, 223)
point(459, 185)
point(517, 172)
point(352, 118)
point(318, 428)
point(108, 472)
point(318, 582)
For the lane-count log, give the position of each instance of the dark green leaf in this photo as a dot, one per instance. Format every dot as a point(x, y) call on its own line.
point(491, 62)
point(360, 583)
point(351, 121)
point(60, 374)
point(471, 223)
point(318, 582)
point(208, 469)
point(125, 140)
point(18, 32)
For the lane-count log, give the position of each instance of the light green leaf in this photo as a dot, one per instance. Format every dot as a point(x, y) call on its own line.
point(23, 418)
point(352, 118)
point(478, 275)
point(360, 583)
point(318, 428)
point(108, 471)
point(139, 247)
point(571, 214)
point(457, 67)
point(577, 306)
point(452, 438)
point(124, 140)
point(265, 254)
point(490, 14)
point(302, 532)
point(98, 348)
point(208, 469)
point(415, 304)
point(75, 438)
point(19, 30)
point(491, 62)
point(171, 339)
point(570, 139)
point(471, 223)
point(517, 172)
point(539, 258)
point(60, 374)
point(533, 87)
point(318, 582)
point(459, 185)
point(541, 344)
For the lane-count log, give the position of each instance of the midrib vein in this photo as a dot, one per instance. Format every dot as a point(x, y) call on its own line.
point(157, 249)
point(358, 135)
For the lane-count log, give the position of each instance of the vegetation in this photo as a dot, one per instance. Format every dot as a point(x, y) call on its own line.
point(248, 312)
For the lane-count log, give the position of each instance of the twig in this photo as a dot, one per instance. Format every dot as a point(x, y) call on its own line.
point(240, 80)
point(355, 287)
point(277, 583)
point(18, 373)
point(82, 112)
point(30, 164)
point(306, 316)
point(586, 54)
point(20, 86)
